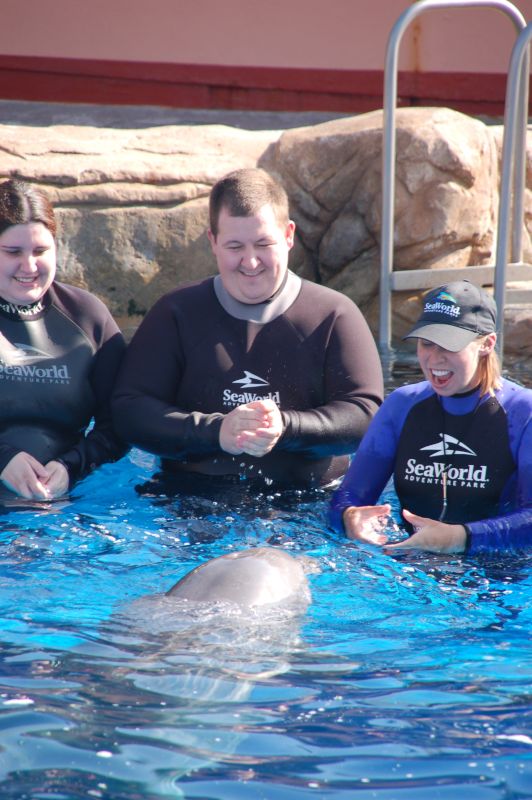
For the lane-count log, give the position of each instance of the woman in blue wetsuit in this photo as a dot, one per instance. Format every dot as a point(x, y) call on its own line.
point(59, 353)
point(458, 444)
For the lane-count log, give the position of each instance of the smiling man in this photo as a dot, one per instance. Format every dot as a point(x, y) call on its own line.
point(255, 373)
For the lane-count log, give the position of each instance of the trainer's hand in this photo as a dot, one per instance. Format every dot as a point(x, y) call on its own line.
point(253, 428)
point(58, 480)
point(431, 535)
point(261, 440)
point(27, 477)
point(362, 523)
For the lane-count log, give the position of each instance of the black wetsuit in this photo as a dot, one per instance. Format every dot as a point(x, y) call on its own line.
point(58, 361)
point(199, 353)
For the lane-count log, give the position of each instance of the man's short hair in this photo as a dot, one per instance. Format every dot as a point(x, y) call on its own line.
point(243, 193)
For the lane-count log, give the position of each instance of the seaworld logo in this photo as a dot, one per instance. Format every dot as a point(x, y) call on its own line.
point(22, 311)
point(440, 305)
point(240, 398)
point(471, 474)
point(249, 381)
point(29, 372)
point(17, 362)
point(449, 446)
point(446, 296)
point(22, 353)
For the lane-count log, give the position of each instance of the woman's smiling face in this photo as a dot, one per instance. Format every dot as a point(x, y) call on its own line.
point(453, 373)
point(27, 263)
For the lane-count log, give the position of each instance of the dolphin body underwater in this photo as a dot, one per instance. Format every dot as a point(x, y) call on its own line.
point(226, 627)
point(237, 614)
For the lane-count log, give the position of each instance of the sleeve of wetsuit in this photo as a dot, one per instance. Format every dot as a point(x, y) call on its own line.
point(101, 444)
point(372, 464)
point(144, 409)
point(510, 532)
point(513, 530)
point(353, 388)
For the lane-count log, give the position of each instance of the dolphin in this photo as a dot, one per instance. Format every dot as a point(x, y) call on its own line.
point(258, 576)
point(227, 625)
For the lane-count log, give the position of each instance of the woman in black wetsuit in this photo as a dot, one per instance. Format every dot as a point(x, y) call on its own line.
point(59, 353)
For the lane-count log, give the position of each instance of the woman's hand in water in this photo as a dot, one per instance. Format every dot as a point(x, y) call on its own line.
point(431, 535)
point(253, 428)
point(58, 480)
point(27, 477)
point(364, 523)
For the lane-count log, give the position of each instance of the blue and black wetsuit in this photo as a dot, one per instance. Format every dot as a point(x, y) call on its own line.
point(199, 353)
point(482, 444)
point(58, 361)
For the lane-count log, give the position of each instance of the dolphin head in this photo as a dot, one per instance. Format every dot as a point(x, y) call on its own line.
point(254, 577)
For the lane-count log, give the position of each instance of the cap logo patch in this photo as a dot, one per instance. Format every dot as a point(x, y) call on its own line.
point(440, 305)
point(446, 296)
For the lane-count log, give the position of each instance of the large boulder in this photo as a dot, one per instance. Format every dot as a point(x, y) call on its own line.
point(446, 195)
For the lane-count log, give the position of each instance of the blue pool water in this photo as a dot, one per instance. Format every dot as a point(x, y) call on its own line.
point(407, 678)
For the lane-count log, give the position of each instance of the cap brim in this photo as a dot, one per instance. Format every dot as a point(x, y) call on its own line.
point(450, 337)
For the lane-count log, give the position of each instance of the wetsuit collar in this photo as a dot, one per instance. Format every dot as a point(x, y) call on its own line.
point(260, 312)
point(31, 311)
point(463, 403)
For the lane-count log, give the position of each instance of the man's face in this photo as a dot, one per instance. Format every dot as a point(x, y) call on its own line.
point(252, 253)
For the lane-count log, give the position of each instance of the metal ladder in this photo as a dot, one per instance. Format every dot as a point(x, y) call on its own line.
point(513, 173)
point(512, 181)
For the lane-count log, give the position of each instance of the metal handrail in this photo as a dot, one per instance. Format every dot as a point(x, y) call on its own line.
point(513, 171)
point(389, 155)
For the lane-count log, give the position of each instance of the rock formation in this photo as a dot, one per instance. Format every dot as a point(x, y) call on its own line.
point(132, 204)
